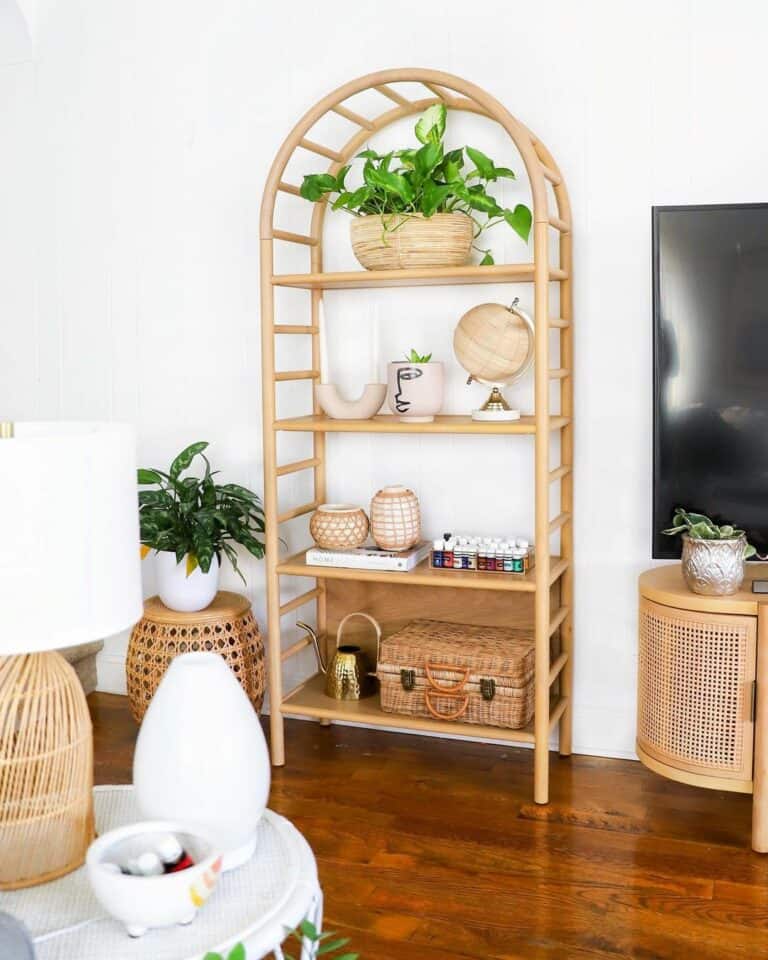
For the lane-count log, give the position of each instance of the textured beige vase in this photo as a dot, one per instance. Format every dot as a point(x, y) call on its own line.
point(397, 242)
point(395, 518)
point(338, 526)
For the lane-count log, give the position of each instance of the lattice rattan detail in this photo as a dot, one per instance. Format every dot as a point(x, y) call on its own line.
point(46, 770)
point(395, 518)
point(335, 527)
point(694, 689)
point(163, 634)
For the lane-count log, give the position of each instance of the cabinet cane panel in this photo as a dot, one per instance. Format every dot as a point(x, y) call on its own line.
point(695, 690)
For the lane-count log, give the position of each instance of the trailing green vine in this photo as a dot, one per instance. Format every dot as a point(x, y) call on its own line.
point(423, 181)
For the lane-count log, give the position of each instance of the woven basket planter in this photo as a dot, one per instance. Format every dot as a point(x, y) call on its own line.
point(337, 526)
point(226, 627)
point(397, 242)
point(395, 518)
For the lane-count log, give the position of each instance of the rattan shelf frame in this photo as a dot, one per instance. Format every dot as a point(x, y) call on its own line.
point(552, 616)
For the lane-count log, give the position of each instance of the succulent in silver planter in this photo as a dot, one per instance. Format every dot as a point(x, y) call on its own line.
point(713, 556)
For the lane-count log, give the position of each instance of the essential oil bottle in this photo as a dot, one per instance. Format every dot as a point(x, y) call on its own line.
point(437, 553)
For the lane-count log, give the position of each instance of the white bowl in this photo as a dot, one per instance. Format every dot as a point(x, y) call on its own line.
point(141, 903)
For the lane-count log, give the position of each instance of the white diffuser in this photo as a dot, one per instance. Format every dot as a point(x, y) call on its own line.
point(201, 756)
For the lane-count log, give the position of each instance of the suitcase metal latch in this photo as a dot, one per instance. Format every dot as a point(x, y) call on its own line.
point(488, 688)
point(408, 679)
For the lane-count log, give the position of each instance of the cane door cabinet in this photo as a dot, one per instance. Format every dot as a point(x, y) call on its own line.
point(702, 703)
point(542, 600)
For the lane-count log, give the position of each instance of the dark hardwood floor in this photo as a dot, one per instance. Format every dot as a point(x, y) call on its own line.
point(433, 850)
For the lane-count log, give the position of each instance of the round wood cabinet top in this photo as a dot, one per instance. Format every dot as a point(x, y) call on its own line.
point(225, 604)
point(666, 585)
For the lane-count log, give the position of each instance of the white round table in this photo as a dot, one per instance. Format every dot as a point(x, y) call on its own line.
point(257, 904)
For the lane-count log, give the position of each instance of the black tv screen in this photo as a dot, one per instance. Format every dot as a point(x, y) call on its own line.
point(710, 315)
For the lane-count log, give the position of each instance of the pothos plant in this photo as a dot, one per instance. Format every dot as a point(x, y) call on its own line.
point(195, 517)
point(326, 944)
point(423, 181)
point(700, 527)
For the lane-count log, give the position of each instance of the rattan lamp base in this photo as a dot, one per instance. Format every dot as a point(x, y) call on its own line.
point(46, 770)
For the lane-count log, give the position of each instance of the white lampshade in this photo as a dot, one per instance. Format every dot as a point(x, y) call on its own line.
point(69, 535)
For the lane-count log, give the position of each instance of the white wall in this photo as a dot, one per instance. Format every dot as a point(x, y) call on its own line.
point(156, 124)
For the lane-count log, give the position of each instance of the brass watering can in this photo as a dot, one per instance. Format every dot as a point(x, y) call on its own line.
point(347, 677)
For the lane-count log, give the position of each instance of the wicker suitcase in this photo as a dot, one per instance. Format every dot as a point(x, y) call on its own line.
point(454, 671)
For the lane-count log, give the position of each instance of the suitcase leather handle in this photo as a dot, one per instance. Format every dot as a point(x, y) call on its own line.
point(458, 712)
point(439, 687)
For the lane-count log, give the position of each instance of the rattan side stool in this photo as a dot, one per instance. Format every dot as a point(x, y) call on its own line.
point(226, 627)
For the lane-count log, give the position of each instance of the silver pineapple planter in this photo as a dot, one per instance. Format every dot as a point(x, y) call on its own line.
point(714, 568)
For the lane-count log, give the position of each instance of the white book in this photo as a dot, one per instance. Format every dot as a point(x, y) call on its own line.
point(370, 558)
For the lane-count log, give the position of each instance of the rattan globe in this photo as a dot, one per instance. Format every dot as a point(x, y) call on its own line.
point(493, 343)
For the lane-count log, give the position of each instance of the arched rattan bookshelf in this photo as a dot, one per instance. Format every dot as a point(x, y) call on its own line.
point(543, 598)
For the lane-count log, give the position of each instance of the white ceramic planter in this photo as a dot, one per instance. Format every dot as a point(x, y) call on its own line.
point(185, 593)
point(142, 903)
point(201, 756)
point(415, 390)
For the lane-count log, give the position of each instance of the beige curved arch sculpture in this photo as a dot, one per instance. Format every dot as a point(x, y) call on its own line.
point(551, 583)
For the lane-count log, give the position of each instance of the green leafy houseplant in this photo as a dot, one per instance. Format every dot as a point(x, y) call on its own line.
point(195, 517)
point(414, 357)
point(327, 946)
point(423, 181)
point(700, 527)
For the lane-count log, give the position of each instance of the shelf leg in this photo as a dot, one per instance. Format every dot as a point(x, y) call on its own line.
point(760, 776)
point(542, 537)
point(565, 731)
point(271, 537)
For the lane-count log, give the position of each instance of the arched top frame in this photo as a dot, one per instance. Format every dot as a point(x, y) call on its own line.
point(456, 94)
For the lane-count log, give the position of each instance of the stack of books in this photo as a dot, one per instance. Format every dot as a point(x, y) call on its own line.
point(370, 558)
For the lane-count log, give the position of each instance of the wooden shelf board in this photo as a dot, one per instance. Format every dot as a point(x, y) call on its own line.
point(309, 700)
point(441, 424)
point(425, 576)
point(435, 276)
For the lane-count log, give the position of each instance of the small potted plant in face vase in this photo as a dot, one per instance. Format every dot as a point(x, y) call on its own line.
point(415, 387)
point(420, 206)
point(190, 522)
point(713, 556)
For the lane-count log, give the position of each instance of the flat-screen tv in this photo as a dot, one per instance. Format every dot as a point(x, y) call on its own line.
point(710, 324)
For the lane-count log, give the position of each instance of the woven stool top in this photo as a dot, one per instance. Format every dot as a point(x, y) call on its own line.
point(253, 904)
point(225, 604)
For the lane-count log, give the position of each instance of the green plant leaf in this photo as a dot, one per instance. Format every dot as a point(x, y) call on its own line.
point(341, 176)
point(431, 124)
point(316, 185)
point(504, 172)
point(145, 477)
point(426, 159)
point(433, 196)
point(520, 220)
point(749, 551)
point(309, 930)
point(483, 164)
point(487, 260)
point(186, 457)
point(237, 952)
point(388, 181)
point(726, 532)
point(368, 155)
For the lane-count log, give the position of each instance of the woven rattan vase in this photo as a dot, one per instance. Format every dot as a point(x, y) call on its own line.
point(338, 526)
point(226, 627)
point(395, 518)
point(402, 243)
point(46, 770)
